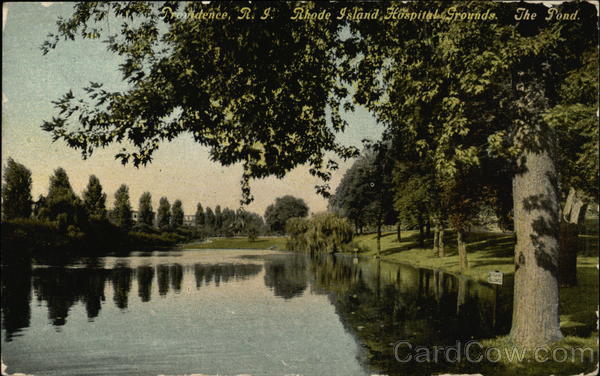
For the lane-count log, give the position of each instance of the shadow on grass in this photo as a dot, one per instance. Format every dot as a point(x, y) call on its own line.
point(578, 304)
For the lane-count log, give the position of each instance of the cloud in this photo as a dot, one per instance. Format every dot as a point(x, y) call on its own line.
point(46, 3)
point(4, 98)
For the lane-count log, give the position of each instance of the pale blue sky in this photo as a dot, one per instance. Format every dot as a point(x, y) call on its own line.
point(181, 169)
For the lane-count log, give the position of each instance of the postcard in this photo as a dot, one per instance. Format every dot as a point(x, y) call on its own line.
point(300, 188)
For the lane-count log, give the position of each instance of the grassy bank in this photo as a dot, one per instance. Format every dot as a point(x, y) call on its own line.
point(240, 243)
point(486, 252)
point(494, 251)
point(24, 238)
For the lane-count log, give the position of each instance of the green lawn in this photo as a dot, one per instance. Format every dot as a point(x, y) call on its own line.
point(240, 243)
point(486, 252)
point(494, 251)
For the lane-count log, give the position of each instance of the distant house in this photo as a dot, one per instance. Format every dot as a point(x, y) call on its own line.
point(189, 220)
point(136, 216)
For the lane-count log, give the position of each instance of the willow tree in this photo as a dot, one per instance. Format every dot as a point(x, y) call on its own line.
point(259, 92)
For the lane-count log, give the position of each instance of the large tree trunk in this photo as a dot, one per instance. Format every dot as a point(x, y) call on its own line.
point(573, 216)
point(536, 217)
point(428, 228)
point(462, 250)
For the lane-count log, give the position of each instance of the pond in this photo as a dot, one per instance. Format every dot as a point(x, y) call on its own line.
point(231, 312)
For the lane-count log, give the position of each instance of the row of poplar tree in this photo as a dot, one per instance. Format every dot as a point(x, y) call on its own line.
point(62, 205)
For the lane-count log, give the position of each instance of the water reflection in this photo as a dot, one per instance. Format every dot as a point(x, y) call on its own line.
point(145, 275)
point(378, 303)
point(287, 275)
point(223, 273)
point(59, 288)
point(15, 299)
point(383, 303)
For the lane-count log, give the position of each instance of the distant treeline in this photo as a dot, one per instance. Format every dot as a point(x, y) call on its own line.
point(61, 221)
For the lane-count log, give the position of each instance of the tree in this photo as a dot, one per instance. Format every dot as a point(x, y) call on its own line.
point(413, 198)
point(180, 89)
point(354, 194)
point(284, 208)
point(230, 225)
point(145, 211)
point(461, 88)
point(210, 219)
point(94, 199)
point(218, 224)
point(177, 214)
point(248, 223)
point(323, 232)
point(199, 217)
point(365, 193)
point(61, 203)
point(476, 91)
point(576, 127)
point(163, 217)
point(16, 191)
point(121, 212)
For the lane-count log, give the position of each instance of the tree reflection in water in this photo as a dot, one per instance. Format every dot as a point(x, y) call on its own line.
point(60, 287)
point(377, 302)
point(382, 303)
point(145, 275)
point(15, 298)
point(225, 272)
point(287, 275)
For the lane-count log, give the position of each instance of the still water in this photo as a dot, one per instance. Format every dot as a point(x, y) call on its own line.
point(231, 312)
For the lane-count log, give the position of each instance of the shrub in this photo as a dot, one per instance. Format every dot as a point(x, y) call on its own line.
point(322, 233)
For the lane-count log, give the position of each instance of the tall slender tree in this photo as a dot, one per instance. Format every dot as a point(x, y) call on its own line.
point(121, 212)
point(199, 218)
point(94, 199)
point(218, 226)
point(16, 191)
point(177, 214)
point(163, 216)
point(145, 211)
point(210, 219)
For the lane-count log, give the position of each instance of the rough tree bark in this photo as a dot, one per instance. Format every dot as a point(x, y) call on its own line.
point(573, 215)
point(462, 249)
point(536, 218)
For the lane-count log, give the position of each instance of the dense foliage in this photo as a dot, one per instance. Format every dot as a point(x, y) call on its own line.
point(94, 199)
point(466, 106)
point(284, 208)
point(324, 232)
point(16, 191)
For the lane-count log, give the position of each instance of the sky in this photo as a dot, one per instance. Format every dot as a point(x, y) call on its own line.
point(180, 169)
